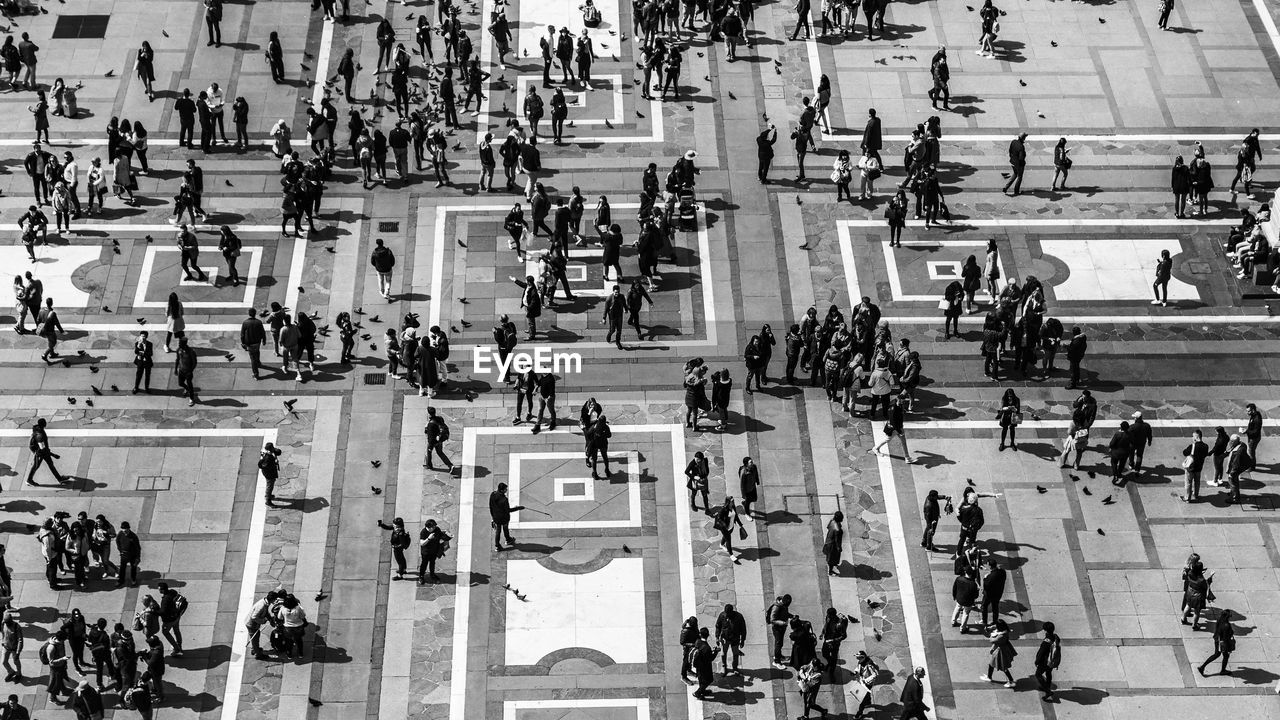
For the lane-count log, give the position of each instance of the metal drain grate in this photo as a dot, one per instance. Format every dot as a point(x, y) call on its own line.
point(375, 378)
point(154, 482)
point(80, 27)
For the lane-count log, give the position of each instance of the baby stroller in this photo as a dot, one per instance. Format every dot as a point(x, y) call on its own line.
point(688, 209)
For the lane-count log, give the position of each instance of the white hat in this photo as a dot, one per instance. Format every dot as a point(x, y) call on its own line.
point(690, 155)
point(1136, 414)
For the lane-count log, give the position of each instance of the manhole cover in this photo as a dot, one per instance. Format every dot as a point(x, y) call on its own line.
point(1198, 268)
point(154, 482)
point(388, 227)
point(375, 378)
point(80, 27)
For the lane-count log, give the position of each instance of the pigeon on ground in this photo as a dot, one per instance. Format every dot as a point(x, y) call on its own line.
point(1041, 490)
point(1086, 490)
point(376, 463)
point(288, 404)
point(95, 389)
point(376, 490)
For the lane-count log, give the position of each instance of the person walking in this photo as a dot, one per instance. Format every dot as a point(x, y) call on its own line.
point(1224, 642)
point(1017, 164)
point(185, 367)
point(49, 327)
point(1247, 163)
point(1002, 654)
point(833, 544)
point(809, 677)
point(437, 432)
point(731, 636)
point(724, 519)
point(894, 427)
point(1061, 164)
point(748, 485)
point(41, 454)
point(1140, 438)
point(615, 308)
point(11, 641)
point(383, 261)
point(252, 337)
point(1166, 9)
point(1048, 657)
point(912, 697)
point(172, 607)
point(803, 10)
point(432, 543)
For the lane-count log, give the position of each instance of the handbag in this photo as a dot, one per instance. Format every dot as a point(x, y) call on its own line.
point(742, 532)
point(1015, 419)
point(944, 304)
point(1186, 462)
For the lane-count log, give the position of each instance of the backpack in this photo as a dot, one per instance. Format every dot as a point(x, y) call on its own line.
point(180, 603)
point(138, 623)
point(44, 654)
point(444, 432)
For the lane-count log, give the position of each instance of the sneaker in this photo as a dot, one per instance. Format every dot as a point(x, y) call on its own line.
point(1010, 685)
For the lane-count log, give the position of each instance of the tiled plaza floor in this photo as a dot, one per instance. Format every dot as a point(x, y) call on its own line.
point(580, 621)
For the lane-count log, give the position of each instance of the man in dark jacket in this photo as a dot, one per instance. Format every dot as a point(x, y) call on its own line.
point(1195, 453)
point(1017, 163)
point(252, 337)
point(598, 445)
point(731, 635)
point(34, 164)
point(546, 389)
point(306, 339)
point(992, 591)
point(702, 658)
point(1075, 354)
point(872, 140)
point(912, 697)
point(1048, 656)
point(1253, 432)
point(437, 433)
point(143, 352)
point(383, 260)
point(615, 308)
point(1140, 436)
point(130, 549)
point(500, 510)
point(185, 366)
point(1120, 447)
point(764, 152)
point(186, 109)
